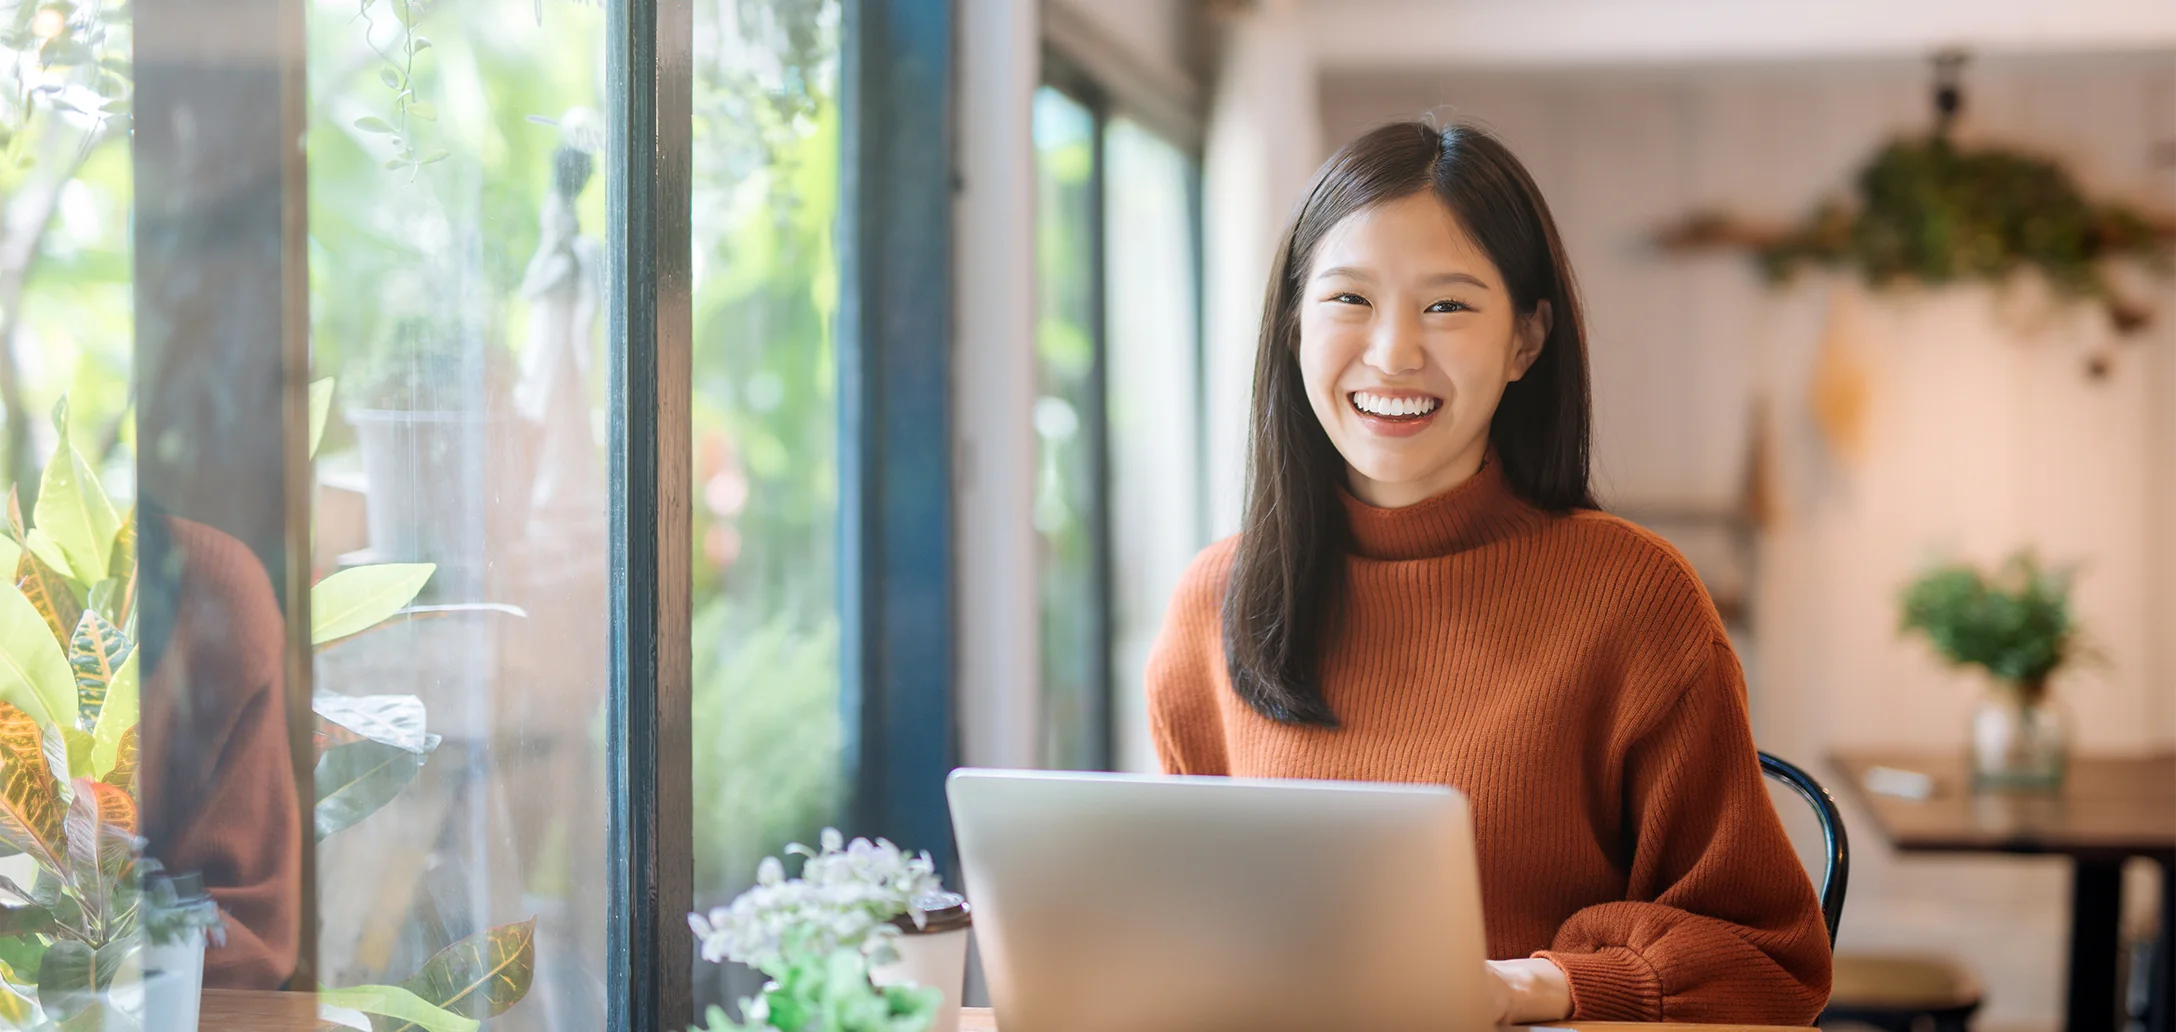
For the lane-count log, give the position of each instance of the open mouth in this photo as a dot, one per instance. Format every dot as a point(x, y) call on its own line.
point(1394, 408)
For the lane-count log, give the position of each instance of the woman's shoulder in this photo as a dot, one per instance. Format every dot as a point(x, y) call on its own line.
point(1201, 587)
point(1188, 654)
point(1633, 563)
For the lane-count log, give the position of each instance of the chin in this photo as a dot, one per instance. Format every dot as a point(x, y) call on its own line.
point(1399, 474)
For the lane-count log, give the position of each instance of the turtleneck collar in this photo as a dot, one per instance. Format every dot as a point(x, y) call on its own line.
point(1481, 508)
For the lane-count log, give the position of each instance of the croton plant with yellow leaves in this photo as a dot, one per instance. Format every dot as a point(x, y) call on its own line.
point(71, 940)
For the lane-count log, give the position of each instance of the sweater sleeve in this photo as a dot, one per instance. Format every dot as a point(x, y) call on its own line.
point(1185, 670)
point(1719, 921)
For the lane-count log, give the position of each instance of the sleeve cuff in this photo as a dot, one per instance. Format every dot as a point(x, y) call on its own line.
point(1610, 984)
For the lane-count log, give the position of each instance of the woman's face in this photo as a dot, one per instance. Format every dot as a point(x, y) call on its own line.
point(1407, 339)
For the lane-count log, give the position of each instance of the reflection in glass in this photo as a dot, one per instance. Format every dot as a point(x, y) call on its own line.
point(1149, 272)
point(766, 733)
point(454, 217)
point(1068, 424)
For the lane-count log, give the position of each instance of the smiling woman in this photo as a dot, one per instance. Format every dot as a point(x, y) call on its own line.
point(1407, 319)
point(1424, 591)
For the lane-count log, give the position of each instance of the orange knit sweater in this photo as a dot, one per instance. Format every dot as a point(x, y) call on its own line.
point(1570, 675)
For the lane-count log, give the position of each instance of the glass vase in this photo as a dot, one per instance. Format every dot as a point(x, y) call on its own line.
point(2020, 740)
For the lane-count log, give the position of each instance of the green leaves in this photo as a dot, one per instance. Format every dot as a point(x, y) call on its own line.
point(2016, 623)
point(34, 674)
point(113, 740)
point(374, 124)
point(831, 991)
point(357, 779)
point(115, 597)
point(355, 600)
point(101, 826)
point(121, 773)
point(50, 594)
point(30, 805)
point(392, 1001)
point(73, 509)
point(95, 653)
point(72, 974)
point(482, 975)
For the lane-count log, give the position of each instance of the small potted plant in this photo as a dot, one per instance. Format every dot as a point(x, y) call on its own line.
point(865, 940)
point(2016, 625)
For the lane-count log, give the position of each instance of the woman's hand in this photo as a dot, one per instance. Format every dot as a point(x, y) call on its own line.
point(1527, 991)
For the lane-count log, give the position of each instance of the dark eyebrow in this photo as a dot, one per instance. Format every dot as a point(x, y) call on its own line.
point(1348, 272)
point(1438, 280)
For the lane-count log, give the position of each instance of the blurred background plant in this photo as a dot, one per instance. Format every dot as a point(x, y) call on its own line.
point(2014, 623)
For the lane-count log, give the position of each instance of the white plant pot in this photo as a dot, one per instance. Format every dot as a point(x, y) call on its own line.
point(935, 959)
point(156, 989)
point(933, 956)
point(173, 985)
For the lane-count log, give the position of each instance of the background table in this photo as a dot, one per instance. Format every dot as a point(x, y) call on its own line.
point(2109, 810)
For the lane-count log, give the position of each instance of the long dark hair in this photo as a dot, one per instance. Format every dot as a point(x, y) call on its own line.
point(1286, 579)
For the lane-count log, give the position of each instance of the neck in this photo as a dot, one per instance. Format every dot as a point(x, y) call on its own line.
point(1397, 494)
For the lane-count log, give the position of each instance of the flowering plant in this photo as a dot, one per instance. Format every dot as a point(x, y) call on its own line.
point(847, 896)
point(828, 992)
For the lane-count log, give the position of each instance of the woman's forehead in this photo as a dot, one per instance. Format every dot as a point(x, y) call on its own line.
point(1412, 239)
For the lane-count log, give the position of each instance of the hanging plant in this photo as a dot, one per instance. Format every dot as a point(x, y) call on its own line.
point(397, 70)
point(1928, 210)
point(1931, 211)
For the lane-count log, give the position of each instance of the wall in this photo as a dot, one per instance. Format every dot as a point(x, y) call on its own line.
point(1000, 66)
point(1981, 430)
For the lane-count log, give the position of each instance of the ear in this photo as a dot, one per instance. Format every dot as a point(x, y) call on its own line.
point(1532, 332)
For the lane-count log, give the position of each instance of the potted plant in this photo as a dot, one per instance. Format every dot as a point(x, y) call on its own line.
point(865, 940)
point(101, 934)
point(2016, 625)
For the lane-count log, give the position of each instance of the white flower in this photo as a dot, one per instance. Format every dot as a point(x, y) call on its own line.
point(847, 894)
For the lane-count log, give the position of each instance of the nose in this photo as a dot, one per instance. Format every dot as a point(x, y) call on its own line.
point(1394, 346)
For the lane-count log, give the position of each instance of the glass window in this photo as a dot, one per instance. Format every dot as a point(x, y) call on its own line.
point(1069, 483)
point(767, 735)
point(456, 213)
point(1118, 482)
point(1155, 483)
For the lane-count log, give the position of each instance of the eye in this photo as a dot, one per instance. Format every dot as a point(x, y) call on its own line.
point(1449, 306)
point(1348, 298)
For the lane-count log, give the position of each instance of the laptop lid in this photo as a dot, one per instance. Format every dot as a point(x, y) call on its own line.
point(1110, 901)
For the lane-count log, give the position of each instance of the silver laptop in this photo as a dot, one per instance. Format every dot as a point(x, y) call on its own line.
point(1123, 903)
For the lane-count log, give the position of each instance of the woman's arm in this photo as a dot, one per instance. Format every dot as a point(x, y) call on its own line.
point(1720, 922)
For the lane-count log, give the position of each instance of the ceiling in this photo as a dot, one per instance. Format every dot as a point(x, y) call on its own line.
point(1378, 35)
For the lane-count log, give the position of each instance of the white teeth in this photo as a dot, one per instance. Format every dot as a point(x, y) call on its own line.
point(1380, 405)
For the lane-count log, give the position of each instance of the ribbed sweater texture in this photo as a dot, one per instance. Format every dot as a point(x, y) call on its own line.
point(1569, 674)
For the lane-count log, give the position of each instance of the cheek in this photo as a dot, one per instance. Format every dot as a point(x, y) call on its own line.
point(1476, 357)
point(1326, 348)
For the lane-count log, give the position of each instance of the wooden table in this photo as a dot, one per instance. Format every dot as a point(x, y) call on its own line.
point(231, 1011)
point(2109, 810)
point(972, 1020)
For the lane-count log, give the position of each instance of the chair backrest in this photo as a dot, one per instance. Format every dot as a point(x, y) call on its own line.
point(1838, 846)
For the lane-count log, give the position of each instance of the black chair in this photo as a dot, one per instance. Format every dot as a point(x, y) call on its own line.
point(1837, 873)
point(1894, 993)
